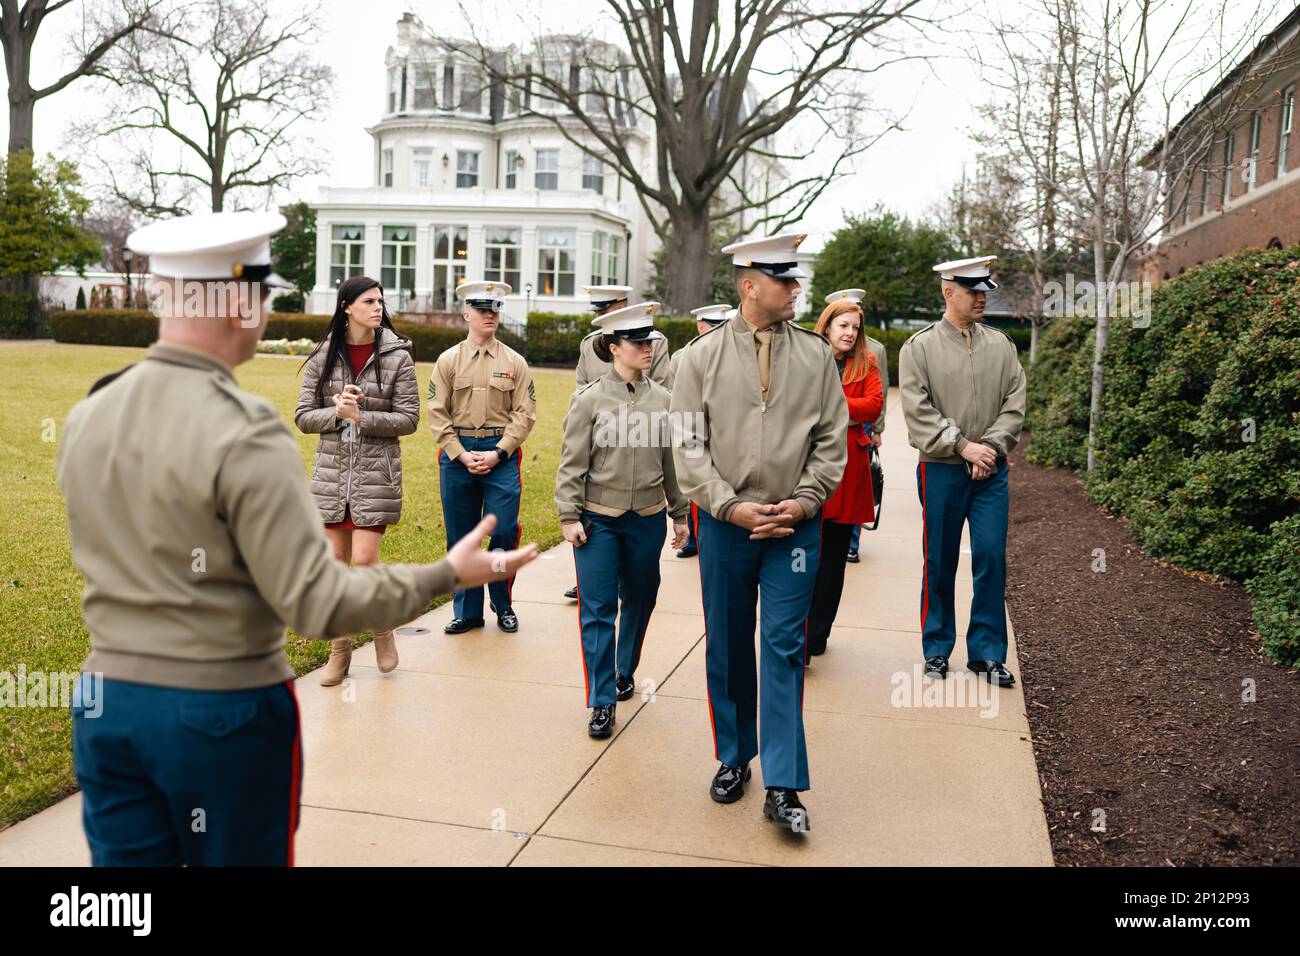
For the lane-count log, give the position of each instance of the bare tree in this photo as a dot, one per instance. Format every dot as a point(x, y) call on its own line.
point(106, 25)
point(225, 91)
point(1125, 65)
point(1027, 157)
point(697, 84)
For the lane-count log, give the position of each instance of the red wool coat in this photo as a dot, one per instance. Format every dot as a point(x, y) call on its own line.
point(853, 502)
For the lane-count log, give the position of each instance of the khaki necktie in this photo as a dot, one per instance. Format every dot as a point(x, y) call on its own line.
point(764, 340)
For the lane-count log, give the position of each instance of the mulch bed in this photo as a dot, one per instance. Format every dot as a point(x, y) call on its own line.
point(1133, 681)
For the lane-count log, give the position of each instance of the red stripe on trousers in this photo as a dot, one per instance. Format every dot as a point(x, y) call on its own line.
point(295, 782)
point(519, 527)
point(713, 728)
point(925, 558)
point(586, 678)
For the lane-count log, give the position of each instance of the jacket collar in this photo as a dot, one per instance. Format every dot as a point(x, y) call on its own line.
point(738, 323)
point(491, 347)
point(954, 333)
point(611, 377)
point(174, 353)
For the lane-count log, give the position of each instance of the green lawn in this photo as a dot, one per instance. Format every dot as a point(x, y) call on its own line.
point(40, 589)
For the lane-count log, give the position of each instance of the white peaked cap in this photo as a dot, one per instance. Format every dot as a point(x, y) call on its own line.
point(214, 245)
point(774, 255)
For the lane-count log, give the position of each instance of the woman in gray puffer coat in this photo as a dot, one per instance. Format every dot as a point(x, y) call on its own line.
point(359, 393)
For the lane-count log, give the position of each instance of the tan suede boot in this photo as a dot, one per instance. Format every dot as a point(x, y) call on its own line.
point(336, 668)
point(385, 651)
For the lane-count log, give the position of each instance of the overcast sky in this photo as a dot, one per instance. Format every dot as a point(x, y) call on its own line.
point(908, 171)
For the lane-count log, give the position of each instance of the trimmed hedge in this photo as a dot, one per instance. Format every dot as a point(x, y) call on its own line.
point(1276, 595)
point(1199, 438)
point(551, 338)
point(139, 328)
point(21, 317)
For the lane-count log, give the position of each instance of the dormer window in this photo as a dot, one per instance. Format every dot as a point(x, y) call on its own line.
point(448, 83)
point(425, 78)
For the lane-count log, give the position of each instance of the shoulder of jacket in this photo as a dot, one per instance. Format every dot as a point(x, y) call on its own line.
point(1003, 337)
point(917, 335)
point(817, 335)
point(513, 356)
point(704, 335)
point(659, 388)
point(109, 379)
point(448, 355)
point(255, 408)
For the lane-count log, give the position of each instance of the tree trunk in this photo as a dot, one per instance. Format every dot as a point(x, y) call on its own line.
point(1033, 341)
point(21, 108)
point(1103, 333)
point(689, 262)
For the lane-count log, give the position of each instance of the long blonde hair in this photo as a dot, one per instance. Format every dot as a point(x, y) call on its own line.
point(859, 360)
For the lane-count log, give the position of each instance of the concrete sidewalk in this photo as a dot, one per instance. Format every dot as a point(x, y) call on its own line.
point(475, 750)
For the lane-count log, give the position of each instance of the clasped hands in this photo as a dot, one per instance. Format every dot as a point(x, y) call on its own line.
point(983, 459)
point(479, 462)
point(346, 404)
point(768, 520)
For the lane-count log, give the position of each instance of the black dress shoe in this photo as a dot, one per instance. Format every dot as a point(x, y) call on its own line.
point(572, 593)
point(729, 783)
point(625, 687)
point(816, 651)
point(462, 624)
point(689, 551)
point(936, 666)
point(601, 723)
point(783, 808)
point(852, 557)
point(507, 621)
point(993, 671)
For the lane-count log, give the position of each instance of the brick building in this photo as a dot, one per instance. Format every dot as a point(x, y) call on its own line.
point(1233, 162)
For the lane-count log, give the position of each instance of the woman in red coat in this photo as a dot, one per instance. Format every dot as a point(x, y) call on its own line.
point(852, 503)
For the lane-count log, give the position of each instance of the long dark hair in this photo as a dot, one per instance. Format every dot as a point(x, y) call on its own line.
point(337, 334)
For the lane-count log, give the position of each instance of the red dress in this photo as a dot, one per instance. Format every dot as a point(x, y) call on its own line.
point(853, 502)
point(358, 356)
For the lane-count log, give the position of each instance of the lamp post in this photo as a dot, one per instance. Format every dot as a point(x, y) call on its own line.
point(126, 258)
point(528, 299)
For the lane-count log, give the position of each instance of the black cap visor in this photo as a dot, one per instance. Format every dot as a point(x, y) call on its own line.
point(484, 305)
point(635, 335)
point(977, 284)
point(778, 270)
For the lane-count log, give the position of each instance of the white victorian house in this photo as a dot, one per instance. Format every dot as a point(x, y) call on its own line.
point(464, 185)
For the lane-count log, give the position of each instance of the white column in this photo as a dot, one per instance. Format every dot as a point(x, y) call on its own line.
point(372, 258)
point(423, 259)
point(582, 267)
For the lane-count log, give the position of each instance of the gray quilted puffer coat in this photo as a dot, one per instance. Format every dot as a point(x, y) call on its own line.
point(365, 474)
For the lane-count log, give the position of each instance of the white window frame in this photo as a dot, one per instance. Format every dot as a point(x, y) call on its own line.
point(451, 267)
point(557, 280)
point(1256, 125)
point(1284, 135)
point(397, 277)
point(421, 167)
point(512, 168)
point(350, 249)
point(613, 255)
point(1229, 148)
point(428, 71)
point(467, 164)
point(598, 258)
point(501, 270)
point(593, 174)
point(541, 169)
point(386, 168)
